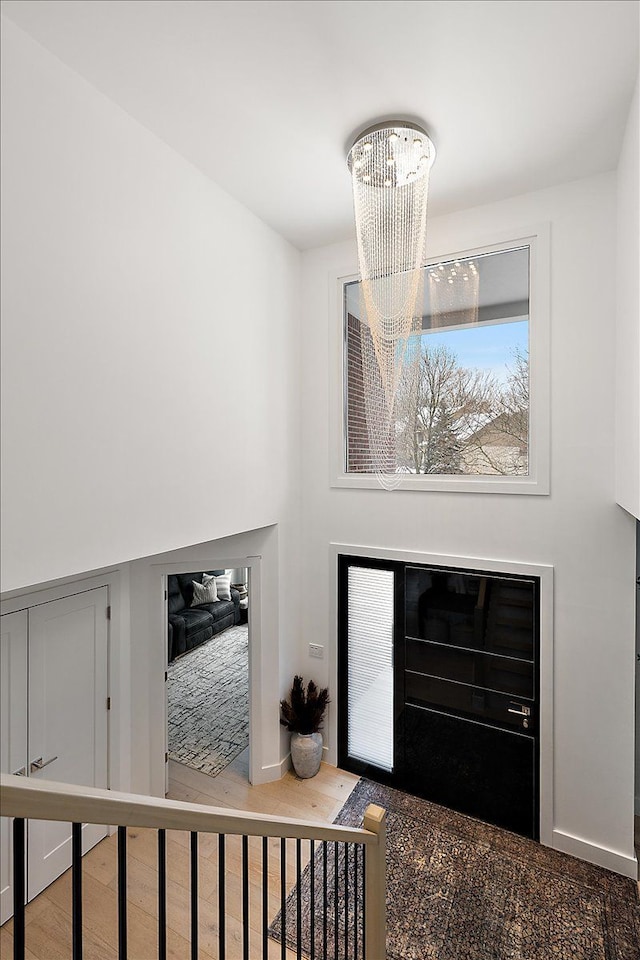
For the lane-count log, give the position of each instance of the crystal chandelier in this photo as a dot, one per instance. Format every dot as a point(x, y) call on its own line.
point(389, 165)
point(453, 293)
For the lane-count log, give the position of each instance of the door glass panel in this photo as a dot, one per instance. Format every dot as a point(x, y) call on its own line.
point(370, 666)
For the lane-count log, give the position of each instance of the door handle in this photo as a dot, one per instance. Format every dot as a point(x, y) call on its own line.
point(521, 711)
point(39, 764)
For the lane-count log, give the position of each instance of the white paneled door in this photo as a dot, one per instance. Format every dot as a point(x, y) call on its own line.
point(53, 721)
point(67, 719)
point(13, 732)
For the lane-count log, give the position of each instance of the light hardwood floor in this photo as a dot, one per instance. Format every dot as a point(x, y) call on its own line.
point(48, 917)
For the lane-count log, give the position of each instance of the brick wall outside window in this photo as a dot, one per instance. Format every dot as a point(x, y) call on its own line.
point(358, 452)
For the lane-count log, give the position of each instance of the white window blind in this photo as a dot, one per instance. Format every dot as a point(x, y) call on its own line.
point(370, 666)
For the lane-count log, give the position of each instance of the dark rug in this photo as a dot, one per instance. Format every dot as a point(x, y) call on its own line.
point(460, 889)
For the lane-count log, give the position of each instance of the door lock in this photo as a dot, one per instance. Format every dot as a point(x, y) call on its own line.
point(40, 764)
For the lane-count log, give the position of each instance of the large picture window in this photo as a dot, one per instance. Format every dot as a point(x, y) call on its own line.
point(468, 411)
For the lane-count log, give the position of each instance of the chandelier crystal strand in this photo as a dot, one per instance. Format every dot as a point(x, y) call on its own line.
point(454, 291)
point(389, 167)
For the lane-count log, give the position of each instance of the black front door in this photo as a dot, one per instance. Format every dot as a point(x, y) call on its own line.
point(438, 685)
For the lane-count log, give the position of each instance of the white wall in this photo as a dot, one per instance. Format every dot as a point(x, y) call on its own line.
point(150, 339)
point(627, 378)
point(628, 317)
point(578, 528)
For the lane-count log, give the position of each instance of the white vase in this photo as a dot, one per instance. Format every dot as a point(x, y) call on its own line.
point(306, 754)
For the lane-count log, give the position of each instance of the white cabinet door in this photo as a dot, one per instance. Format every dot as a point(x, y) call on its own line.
point(13, 733)
point(67, 718)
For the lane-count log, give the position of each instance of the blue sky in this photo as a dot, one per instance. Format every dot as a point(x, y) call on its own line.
point(486, 347)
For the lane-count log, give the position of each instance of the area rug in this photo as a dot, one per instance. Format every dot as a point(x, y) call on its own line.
point(459, 889)
point(208, 702)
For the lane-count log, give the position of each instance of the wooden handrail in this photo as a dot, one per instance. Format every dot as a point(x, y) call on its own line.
point(26, 798)
point(47, 800)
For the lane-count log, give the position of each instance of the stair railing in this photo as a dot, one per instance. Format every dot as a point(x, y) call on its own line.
point(357, 858)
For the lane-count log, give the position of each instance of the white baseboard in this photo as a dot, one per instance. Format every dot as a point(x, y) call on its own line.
point(603, 857)
point(274, 771)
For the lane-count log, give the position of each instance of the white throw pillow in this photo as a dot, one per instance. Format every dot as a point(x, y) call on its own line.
point(204, 592)
point(223, 586)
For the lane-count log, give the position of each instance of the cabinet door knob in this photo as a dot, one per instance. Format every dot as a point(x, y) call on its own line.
point(40, 764)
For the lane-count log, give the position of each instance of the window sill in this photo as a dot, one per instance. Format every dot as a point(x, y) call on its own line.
point(449, 484)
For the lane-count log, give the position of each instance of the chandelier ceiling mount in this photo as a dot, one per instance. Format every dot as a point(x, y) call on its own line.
point(391, 153)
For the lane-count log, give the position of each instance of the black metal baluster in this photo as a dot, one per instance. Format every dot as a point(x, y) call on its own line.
point(364, 901)
point(346, 901)
point(312, 877)
point(162, 895)
point(122, 893)
point(221, 897)
point(336, 911)
point(356, 894)
point(265, 899)
point(324, 899)
point(298, 899)
point(18, 889)
point(245, 898)
point(76, 890)
point(194, 896)
point(283, 896)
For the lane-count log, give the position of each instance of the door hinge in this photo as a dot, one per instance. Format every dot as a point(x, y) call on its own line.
point(166, 676)
point(109, 613)
point(108, 703)
point(166, 758)
point(166, 596)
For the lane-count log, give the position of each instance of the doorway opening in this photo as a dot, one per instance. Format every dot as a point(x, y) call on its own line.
point(208, 670)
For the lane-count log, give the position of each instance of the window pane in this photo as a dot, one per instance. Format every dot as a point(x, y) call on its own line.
point(370, 666)
point(462, 405)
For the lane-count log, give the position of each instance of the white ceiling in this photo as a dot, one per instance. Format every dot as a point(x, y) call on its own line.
point(264, 96)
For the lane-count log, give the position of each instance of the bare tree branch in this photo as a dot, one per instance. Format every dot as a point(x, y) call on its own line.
point(454, 420)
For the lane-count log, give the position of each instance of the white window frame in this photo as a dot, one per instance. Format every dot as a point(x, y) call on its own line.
point(536, 482)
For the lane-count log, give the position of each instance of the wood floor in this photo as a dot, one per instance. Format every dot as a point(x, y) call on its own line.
point(48, 917)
